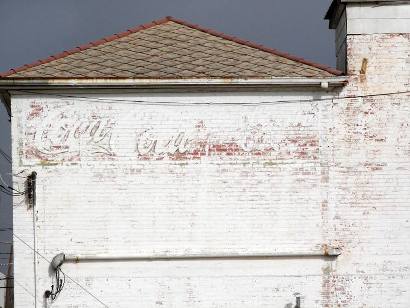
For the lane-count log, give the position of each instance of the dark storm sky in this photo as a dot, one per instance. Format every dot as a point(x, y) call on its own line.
point(33, 29)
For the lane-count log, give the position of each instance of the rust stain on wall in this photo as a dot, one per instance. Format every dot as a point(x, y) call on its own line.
point(36, 111)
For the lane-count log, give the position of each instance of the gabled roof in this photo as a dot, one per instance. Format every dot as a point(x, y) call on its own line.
point(171, 48)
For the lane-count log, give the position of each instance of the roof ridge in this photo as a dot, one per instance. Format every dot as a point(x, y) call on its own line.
point(160, 21)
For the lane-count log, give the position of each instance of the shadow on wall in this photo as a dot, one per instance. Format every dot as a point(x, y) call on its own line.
point(6, 213)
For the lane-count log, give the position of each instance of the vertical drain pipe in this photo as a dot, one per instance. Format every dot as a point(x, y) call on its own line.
point(31, 196)
point(297, 301)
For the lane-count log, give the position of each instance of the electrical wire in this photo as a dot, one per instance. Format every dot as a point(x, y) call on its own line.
point(5, 155)
point(16, 282)
point(24, 288)
point(17, 191)
point(60, 282)
point(66, 275)
point(13, 191)
point(9, 193)
point(7, 189)
point(209, 103)
point(18, 174)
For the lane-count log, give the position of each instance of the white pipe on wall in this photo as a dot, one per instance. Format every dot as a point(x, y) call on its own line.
point(62, 258)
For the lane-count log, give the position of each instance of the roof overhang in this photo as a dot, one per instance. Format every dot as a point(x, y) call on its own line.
point(185, 85)
point(132, 83)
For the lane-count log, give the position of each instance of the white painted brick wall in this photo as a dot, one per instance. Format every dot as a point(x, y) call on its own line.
point(231, 177)
point(369, 178)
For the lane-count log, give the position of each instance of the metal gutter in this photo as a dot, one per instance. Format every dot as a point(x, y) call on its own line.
point(58, 83)
point(61, 258)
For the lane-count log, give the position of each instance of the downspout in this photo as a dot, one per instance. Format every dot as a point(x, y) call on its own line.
point(31, 181)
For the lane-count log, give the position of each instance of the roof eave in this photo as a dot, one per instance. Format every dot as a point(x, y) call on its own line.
point(112, 83)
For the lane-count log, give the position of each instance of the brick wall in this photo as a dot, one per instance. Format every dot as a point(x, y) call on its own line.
point(369, 177)
point(175, 175)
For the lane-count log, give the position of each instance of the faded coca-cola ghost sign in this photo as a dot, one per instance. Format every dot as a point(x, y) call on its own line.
point(60, 132)
point(257, 140)
point(66, 135)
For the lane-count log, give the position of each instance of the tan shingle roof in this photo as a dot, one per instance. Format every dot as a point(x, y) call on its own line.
point(171, 48)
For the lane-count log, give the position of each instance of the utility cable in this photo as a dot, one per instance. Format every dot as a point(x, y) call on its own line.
point(9, 193)
point(59, 285)
point(91, 99)
point(24, 288)
point(18, 174)
point(7, 189)
point(13, 192)
point(5, 155)
point(74, 281)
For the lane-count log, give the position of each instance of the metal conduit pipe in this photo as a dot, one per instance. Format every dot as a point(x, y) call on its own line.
point(61, 258)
